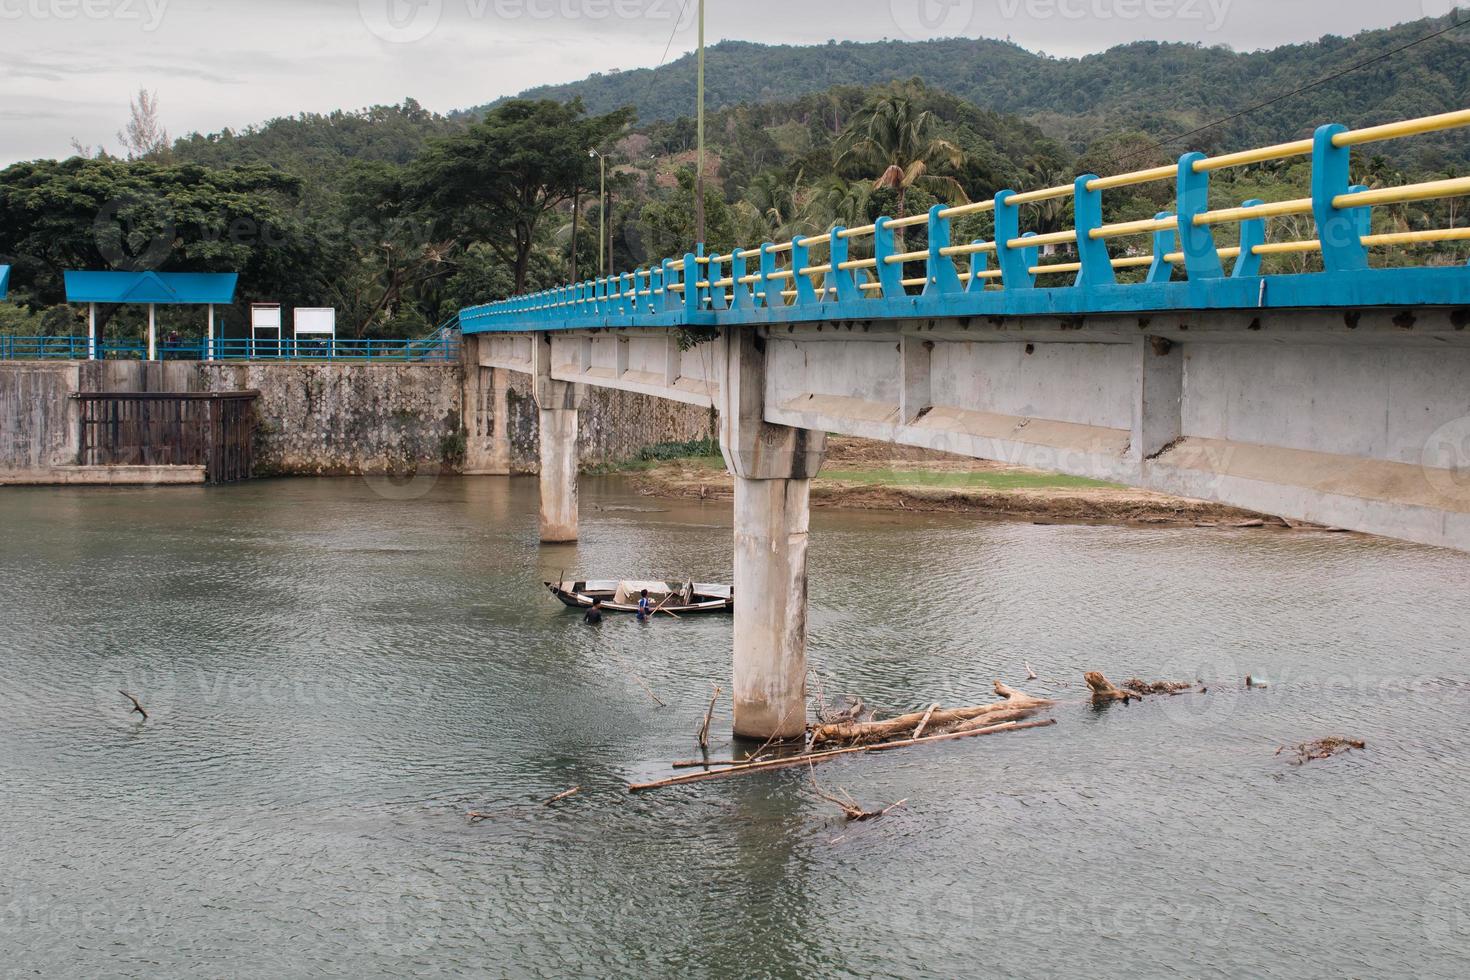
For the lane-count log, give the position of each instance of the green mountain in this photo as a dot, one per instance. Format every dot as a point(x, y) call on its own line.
point(1162, 89)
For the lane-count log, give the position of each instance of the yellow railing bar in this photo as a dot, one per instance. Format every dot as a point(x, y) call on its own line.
point(902, 257)
point(1053, 238)
point(858, 232)
point(1275, 209)
point(1454, 187)
point(960, 210)
point(1044, 194)
point(1409, 127)
point(1147, 226)
point(1281, 151)
point(852, 264)
point(967, 249)
point(1136, 177)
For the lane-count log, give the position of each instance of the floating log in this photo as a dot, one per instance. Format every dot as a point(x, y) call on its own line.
point(874, 731)
point(1138, 686)
point(1103, 689)
point(1322, 748)
point(811, 757)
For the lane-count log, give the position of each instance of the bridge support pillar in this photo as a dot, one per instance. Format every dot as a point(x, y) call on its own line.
point(1158, 399)
point(773, 467)
point(559, 403)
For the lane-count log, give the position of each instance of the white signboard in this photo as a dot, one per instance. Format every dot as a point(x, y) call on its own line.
point(316, 322)
point(265, 317)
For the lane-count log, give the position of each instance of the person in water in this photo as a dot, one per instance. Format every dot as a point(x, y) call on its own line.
point(594, 615)
point(645, 607)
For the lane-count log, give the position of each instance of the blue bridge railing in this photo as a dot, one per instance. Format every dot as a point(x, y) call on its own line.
point(443, 346)
point(859, 274)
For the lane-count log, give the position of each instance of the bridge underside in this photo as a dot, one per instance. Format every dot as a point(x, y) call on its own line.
point(1355, 418)
point(1351, 418)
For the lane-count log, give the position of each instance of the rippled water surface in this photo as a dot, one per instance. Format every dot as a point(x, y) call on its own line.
point(336, 678)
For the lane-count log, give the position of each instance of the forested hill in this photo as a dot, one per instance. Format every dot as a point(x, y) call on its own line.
point(1159, 88)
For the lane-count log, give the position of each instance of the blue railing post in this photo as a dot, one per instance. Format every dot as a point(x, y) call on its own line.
point(1197, 242)
point(742, 297)
point(1092, 253)
point(940, 273)
point(1165, 241)
point(717, 300)
point(768, 292)
point(1015, 263)
point(801, 258)
point(842, 279)
point(693, 298)
point(1252, 233)
point(979, 262)
point(890, 274)
point(1339, 230)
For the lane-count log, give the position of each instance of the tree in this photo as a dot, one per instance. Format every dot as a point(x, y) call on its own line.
point(892, 134)
point(668, 225)
point(496, 182)
point(114, 214)
point(144, 137)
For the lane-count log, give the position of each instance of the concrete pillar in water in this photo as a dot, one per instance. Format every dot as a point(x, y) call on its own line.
point(559, 403)
point(773, 467)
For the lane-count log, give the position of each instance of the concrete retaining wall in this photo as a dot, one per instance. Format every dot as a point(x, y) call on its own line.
point(339, 419)
point(39, 423)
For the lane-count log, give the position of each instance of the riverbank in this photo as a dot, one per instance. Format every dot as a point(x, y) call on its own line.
point(864, 475)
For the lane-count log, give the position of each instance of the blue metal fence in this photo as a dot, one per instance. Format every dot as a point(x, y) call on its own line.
point(443, 346)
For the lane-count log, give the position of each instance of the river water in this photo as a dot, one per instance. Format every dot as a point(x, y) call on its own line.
point(338, 671)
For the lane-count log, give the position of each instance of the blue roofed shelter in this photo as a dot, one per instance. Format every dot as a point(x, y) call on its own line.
point(4, 280)
point(152, 289)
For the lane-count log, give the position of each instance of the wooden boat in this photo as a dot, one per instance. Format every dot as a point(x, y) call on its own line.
point(679, 598)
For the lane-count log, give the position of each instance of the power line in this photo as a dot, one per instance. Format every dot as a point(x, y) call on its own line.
point(677, 21)
point(1305, 88)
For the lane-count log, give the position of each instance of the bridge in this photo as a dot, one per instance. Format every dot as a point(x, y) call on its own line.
point(1339, 396)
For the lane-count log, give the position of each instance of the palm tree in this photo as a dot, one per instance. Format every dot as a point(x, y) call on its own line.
point(891, 134)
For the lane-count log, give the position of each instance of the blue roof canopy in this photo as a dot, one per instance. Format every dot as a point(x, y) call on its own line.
point(4, 280)
point(162, 288)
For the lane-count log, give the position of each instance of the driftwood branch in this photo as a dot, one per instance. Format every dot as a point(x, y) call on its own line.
point(1322, 748)
point(1103, 690)
point(477, 816)
point(137, 708)
point(708, 718)
point(924, 722)
point(810, 757)
point(873, 731)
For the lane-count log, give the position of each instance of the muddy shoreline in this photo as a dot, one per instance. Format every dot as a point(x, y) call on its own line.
point(860, 475)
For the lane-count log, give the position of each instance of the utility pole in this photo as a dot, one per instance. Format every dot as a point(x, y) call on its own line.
point(601, 214)
point(699, 178)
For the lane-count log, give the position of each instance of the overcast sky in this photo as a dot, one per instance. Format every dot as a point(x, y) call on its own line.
point(68, 67)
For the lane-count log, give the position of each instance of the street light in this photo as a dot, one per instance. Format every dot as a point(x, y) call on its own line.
point(601, 214)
